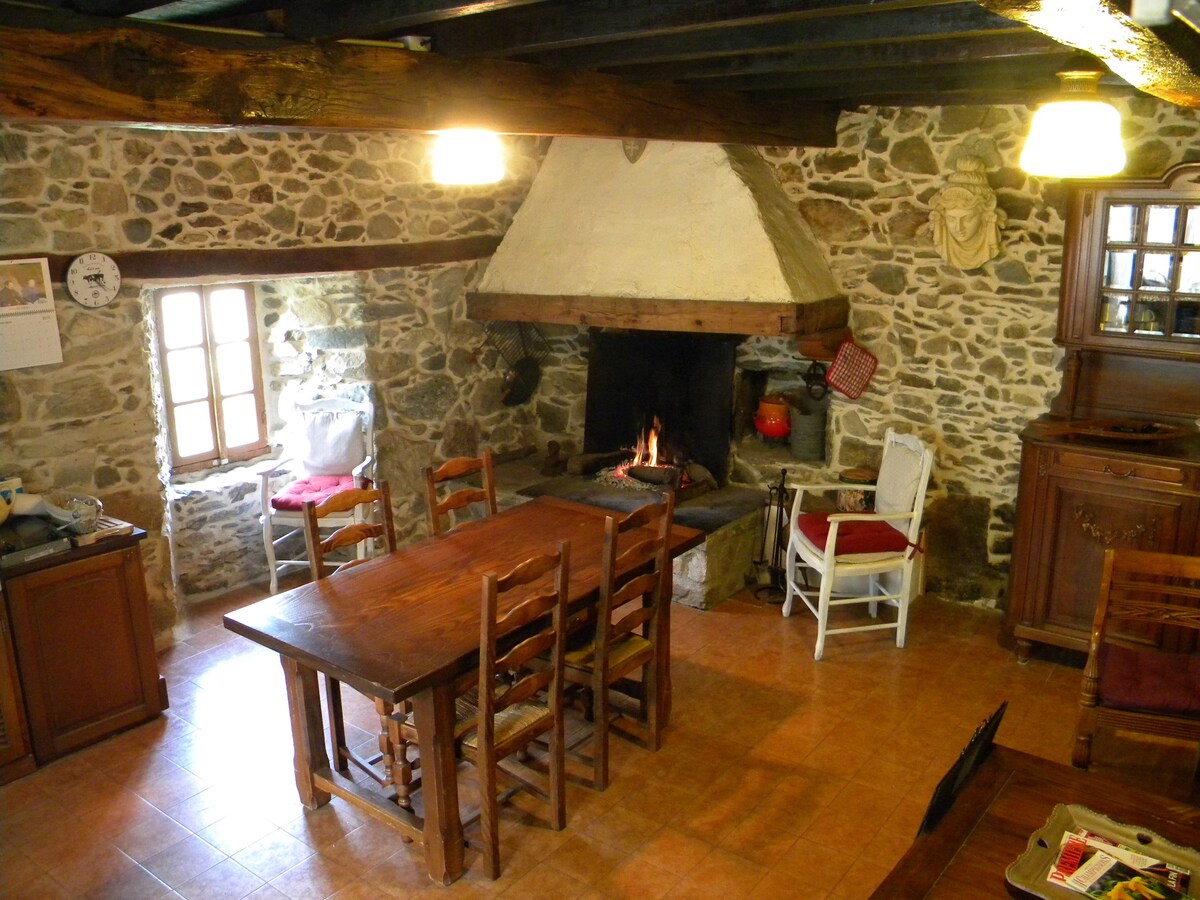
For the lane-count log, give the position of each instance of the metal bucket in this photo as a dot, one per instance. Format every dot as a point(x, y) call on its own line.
point(807, 437)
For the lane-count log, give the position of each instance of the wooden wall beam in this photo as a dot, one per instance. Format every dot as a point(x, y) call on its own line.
point(175, 265)
point(57, 66)
point(708, 316)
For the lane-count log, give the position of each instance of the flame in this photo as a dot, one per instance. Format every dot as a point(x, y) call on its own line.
point(645, 453)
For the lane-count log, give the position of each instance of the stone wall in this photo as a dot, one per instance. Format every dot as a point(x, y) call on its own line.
point(91, 423)
point(966, 358)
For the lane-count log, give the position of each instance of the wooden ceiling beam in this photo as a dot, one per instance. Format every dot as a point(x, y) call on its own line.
point(305, 19)
point(604, 21)
point(60, 67)
point(941, 22)
point(1101, 28)
point(1015, 45)
point(1032, 75)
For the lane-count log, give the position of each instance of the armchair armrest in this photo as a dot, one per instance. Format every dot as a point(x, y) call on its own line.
point(361, 469)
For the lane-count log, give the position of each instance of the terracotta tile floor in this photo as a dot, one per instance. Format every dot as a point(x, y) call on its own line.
point(774, 767)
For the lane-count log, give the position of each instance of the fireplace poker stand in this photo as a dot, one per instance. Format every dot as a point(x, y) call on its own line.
point(777, 502)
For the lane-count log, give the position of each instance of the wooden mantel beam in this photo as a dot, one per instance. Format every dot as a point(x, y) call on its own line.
point(1101, 28)
point(57, 66)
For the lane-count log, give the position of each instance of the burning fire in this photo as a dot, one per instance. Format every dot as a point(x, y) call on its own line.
point(646, 451)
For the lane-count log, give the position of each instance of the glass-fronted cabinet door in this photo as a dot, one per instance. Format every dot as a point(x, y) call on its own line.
point(1151, 277)
point(1131, 276)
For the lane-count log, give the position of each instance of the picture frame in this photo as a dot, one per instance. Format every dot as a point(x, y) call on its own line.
point(25, 283)
point(28, 318)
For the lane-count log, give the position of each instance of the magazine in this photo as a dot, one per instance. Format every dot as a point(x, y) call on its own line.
point(1097, 867)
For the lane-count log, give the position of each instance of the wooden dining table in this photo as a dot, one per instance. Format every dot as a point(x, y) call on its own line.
point(1010, 796)
point(405, 626)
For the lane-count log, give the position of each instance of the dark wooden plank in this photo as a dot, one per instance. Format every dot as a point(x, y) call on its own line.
point(1029, 74)
point(712, 316)
point(957, 20)
point(181, 264)
point(1101, 29)
point(603, 21)
point(379, 18)
point(59, 67)
point(992, 45)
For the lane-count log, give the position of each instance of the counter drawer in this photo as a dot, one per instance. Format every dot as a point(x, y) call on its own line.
point(1122, 469)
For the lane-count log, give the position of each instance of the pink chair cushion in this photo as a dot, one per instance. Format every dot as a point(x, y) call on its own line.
point(853, 537)
point(315, 488)
point(1150, 680)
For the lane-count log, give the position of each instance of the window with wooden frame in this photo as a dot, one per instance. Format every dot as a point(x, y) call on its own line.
point(212, 381)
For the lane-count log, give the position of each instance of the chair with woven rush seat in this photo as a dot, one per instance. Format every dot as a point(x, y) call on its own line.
point(635, 584)
point(437, 510)
point(330, 451)
point(512, 710)
point(1143, 666)
point(841, 546)
point(391, 766)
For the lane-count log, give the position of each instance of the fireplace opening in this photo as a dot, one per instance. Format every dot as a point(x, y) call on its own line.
point(682, 382)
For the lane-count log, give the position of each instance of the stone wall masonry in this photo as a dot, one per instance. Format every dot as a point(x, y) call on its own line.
point(90, 424)
point(966, 358)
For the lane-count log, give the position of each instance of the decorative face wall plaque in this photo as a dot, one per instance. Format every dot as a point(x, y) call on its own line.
point(964, 219)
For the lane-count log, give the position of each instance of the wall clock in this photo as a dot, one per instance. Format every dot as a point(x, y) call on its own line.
point(93, 280)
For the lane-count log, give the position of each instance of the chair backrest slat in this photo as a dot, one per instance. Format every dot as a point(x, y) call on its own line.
point(437, 509)
point(550, 609)
point(348, 535)
point(1157, 590)
point(620, 586)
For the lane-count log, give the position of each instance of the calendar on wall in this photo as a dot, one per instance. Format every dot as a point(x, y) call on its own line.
point(28, 325)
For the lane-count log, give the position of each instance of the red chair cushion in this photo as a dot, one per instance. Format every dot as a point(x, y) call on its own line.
point(1150, 680)
point(315, 488)
point(869, 536)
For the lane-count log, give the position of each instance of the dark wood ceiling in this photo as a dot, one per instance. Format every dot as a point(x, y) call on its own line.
point(841, 52)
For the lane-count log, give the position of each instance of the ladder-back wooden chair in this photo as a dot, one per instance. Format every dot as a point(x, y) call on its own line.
point(438, 509)
point(635, 586)
point(1143, 666)
point(519, 700)
point(391, 767)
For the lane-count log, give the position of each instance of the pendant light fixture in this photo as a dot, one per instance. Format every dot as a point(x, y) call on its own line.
point(1077, 134)
point(467, 156)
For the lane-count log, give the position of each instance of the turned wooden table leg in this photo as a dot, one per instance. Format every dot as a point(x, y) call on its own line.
point(433, 710)
point(308, 730)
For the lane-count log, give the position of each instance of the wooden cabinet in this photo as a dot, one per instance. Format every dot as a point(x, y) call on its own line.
point(1129, 319)
point(16, 754)
point(1079, 497)
point(1130, 303)
point(84, 647)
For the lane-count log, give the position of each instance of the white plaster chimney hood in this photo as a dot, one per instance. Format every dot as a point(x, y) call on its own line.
point(690, 237)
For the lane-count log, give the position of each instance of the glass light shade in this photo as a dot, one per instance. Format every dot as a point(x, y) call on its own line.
point(1074, 139)
point(467, 156)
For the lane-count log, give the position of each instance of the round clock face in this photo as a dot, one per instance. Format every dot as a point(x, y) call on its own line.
point(93, 279)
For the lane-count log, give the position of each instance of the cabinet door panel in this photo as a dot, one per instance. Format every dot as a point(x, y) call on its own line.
point(80, 630)
point(1083, 520)
point(14, 742)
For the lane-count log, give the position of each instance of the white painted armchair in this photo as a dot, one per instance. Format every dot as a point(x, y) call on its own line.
point(837, 547)
point(330, 451)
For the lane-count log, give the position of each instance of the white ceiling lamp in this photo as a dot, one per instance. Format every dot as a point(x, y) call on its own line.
point(467, 156)
point(1077, 134)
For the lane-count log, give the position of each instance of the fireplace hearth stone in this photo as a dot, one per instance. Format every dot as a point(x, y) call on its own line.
point(730, 517)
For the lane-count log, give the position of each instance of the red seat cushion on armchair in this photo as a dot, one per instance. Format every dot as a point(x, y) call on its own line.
point(315, 488)
point(858, 536)
point(1150, 680)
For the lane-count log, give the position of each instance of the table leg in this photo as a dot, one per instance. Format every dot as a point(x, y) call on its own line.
point(433, 710)
point(308, 730)
point(663, 657)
